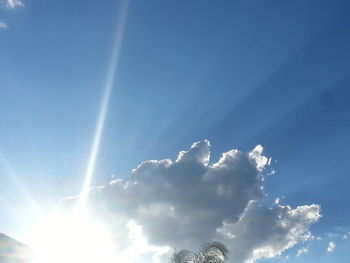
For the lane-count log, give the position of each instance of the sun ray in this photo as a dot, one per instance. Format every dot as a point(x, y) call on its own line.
point(9, 170)
point(105, 101)
point(77, 236)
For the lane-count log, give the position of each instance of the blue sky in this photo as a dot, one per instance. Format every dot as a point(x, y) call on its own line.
point(238, 73)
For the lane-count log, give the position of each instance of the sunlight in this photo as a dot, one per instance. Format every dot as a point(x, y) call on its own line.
point(105, 99)
point(10, 172)
point(71, 238)
point(78, 237)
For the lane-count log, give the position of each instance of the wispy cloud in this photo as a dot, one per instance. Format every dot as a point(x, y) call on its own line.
point(3, 26)
point(303, 250)
point(13, 3)
point(331, 246)
point(9, 4)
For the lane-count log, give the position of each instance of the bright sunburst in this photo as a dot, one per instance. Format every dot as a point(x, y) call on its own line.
point(78, 237)
point(71, 238)
point(81, 237)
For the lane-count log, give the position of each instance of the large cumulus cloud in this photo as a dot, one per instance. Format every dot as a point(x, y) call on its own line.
point(188, 201)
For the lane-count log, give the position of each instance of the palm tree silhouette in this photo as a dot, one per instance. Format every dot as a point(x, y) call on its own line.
point(212, 252)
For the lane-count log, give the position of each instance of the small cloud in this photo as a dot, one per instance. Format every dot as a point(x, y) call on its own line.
point(272, 172)
point(3, 26)
point(331, 246)
point(303, 250)
point(269, 161)
point(13, 3)
point(277, 201)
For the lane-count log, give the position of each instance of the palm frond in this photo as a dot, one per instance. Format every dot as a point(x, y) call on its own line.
point(213, 252)
point(182, 256)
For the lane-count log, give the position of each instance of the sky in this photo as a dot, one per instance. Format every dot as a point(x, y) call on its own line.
point(226, 74)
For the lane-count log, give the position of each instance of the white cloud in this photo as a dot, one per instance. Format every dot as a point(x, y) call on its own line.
point(3, 26)
point(10, 4)
point(186, 202)
point(303, 250)
point(277, 201)
point(13, 3)
point(331, 246)
point(264, 232)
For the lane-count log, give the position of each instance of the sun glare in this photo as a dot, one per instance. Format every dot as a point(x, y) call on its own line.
point(78, 237)
point(71, 238)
